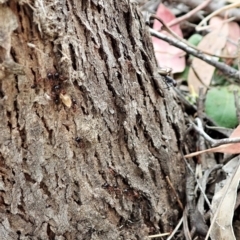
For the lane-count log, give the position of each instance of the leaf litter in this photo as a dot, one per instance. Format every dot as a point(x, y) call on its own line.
point(213, 201)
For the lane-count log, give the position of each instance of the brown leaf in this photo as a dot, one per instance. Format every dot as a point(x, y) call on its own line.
point(202, 72)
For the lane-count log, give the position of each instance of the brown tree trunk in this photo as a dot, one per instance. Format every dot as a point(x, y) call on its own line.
point(88, 133)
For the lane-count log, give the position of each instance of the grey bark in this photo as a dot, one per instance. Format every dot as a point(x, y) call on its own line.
point(85, 156)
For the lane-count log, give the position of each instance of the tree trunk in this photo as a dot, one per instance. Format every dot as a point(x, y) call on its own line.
point(88, 132)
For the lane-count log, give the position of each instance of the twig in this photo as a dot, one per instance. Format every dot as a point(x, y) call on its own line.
point(204, 185)
point(208, 27)
point(158, 235)
point(200, 130)
point(213, 6)
point(192, 172)
point(238, 54)
point(225, 69)
point(225, 131)
point(191, 107)
point(226, 141)
point(175, 193)
point(189, 14)
point(204, 21)
point(195, 216)
point(175, 229)
point(214, 143)
point(184, 101)
point(237, 105)
point(171, 32)
point(185, 225)
point(201, 142)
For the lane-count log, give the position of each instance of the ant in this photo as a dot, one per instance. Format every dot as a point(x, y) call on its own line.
point(52, 75)
point(74, 104)
point(112, 189)
point(128, 192)
point(165, 73)
point(56, 82)
point(80, 142)
point(54, 79)
point(78, 139)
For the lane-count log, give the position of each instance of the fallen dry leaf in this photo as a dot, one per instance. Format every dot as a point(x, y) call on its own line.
point(233, 36)
point(166, 54)
point(223, 207)
point(201, 73)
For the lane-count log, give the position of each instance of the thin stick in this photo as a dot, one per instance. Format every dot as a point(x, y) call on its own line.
point(224, 68)
point(175, 229)
point(189, 14)
point(237, 105)
point(158, 235)
point(171, 32)
point(204, 21)
point(175, 193)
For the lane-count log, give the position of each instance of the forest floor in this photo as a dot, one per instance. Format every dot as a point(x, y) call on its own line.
point(198, 41)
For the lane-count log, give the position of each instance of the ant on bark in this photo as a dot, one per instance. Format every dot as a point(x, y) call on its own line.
point(128, 192)
point(165, 73)
point(80, 142)
point(56, 83)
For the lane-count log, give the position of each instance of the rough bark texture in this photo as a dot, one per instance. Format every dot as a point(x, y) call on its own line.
point(95, 169)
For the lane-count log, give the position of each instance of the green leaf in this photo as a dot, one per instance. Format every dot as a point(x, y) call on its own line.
point(183, 75)
point(219, 79)
point(195, 39)
point(220, 107)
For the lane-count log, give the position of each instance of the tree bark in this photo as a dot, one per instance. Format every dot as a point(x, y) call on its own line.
point(88, 132)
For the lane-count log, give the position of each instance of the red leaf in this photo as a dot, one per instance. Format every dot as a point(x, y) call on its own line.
point(166, 54)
